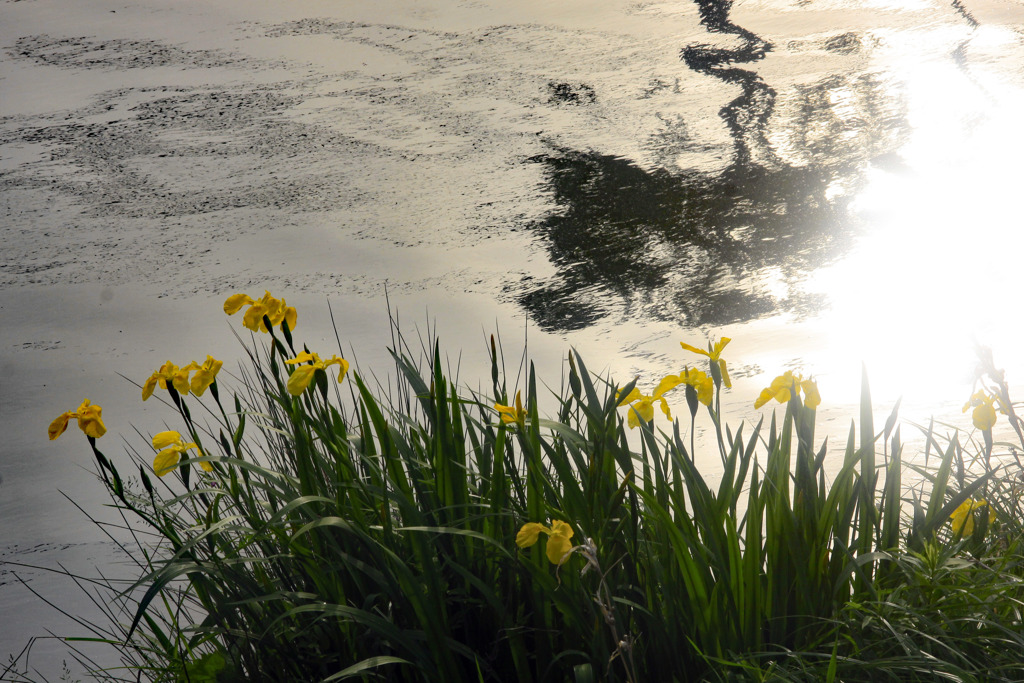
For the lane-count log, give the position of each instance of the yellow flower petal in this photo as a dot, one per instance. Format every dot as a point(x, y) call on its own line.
point(632, 419)
point(667, 383)
point(701, 382)
point(664, 409)
point(342, 369)
point(162, 440)
point(725, 375)
point(235, 302)
point(253, 318)
point(694, 349)
point(180, 378)
point(300, 379)
point(165, 461)
point(984, 413)
point(630, 397)
point(780, 389)
point(150, 386)
point(529, 533)
point(275, 312)
point(714, 353)
point(705, 390)
point(59, 425)
point(812, 399)
point(766, 395)
point(558, 548)
point(303, 357)
point(165, 373)
point(962, 519)
point(509, 415)
point(560, 528)
point(205, 375)
point(644, 408)
point(90, 420)
point(984, 417)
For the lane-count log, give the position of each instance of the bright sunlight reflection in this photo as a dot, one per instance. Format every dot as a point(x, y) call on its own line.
point(936, 269)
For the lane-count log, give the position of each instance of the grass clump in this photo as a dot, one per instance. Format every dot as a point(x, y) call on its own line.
point(432, 533)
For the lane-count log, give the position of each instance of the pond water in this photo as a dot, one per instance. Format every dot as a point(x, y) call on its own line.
point(830, 183)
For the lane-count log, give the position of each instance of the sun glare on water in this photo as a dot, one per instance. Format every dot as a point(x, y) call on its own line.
point(937, 268)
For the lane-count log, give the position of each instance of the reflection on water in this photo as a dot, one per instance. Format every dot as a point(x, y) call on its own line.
point(714, 248)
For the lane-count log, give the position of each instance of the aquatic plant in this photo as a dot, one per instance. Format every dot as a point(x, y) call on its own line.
point(397, 533)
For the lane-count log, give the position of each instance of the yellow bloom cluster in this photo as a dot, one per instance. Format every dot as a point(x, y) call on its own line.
point(788, 386)
point(642, 405)
point(171, 446)
point(985, 406)
point(559, 539)
point(275, 309)
point(178, 377)
point(512, 415)
point(962, 519)
point(90, 421)
point(303, 375)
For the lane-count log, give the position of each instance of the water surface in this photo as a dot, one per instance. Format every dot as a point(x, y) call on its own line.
point(828, 182)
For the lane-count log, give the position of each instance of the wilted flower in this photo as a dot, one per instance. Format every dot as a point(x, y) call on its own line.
point(787, 386)
point(559, 539)
point(90, 421)
point(962, 519)
point(512, 415)
point(171, 447)
point(714, 353)
point(274, 309)
point(303, 375)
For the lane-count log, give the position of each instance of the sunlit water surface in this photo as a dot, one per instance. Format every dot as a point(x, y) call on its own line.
point(834, 185)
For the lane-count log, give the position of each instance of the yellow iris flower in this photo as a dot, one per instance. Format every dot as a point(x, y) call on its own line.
point(787, 386)
point(90, 421)
point(205, 375)
point(512, 415)
point(641, 406)
point(984, 413)
point(303, 375)
point(171, 446)
point(702, 382)
point(275, 309)
point(962, 519)
point(168, 372)
point(714, 354)
point(559, 539)
point(178, 377)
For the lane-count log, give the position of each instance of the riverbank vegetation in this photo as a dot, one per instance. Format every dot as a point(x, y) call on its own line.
point(308, 524)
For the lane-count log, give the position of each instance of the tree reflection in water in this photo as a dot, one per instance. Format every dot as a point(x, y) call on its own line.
point(709, 249)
